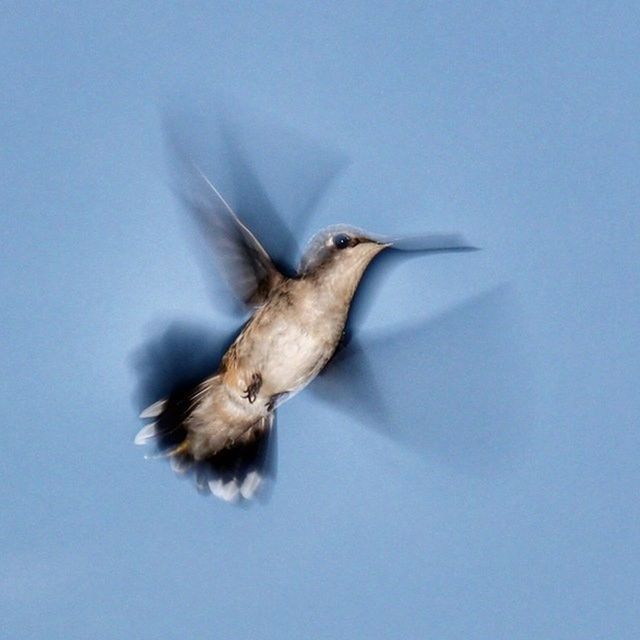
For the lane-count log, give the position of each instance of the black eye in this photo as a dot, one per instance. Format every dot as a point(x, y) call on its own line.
point(342, 240)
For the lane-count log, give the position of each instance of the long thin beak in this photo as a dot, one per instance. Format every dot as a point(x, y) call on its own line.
point(429, 243)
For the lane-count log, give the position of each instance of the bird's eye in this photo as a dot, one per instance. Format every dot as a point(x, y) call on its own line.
point(341, 241)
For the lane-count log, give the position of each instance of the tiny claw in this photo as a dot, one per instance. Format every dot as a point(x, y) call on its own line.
point(275, 399)
point(251, 391)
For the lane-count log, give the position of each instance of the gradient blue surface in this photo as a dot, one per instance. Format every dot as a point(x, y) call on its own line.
point(514, 123)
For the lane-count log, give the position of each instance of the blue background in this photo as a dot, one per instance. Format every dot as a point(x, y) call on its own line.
point(515, 123)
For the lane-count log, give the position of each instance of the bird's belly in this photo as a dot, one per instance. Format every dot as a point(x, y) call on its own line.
point(291, 357)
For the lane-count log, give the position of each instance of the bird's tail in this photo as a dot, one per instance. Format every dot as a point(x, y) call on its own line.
point(232, 474)
point(172, 366)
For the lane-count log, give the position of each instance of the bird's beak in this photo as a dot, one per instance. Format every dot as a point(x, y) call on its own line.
point(379, 242)
point(429, 243)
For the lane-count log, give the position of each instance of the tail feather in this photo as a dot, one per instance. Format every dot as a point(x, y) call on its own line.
point(180, 464)
point(153, 410)
point(147, 433)
point(172, 367)
point(233, 474)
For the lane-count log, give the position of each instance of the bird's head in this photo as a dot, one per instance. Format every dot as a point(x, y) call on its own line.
point(340, 254)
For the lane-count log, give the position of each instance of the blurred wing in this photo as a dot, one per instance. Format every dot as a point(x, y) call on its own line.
point(253, 203)
point(349, 381)
point(402, 249)
point(278, 178)
point(242, 260)
point(271, 177)
point(456, 386)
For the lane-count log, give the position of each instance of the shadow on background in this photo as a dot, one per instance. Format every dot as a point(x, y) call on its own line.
point(176, 359)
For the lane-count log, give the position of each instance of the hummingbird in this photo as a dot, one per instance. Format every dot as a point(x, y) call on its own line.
point(221, 428)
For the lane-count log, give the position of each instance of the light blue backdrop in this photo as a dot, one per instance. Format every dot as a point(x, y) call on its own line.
point(515, 123)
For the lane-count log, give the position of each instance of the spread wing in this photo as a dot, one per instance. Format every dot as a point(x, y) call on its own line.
point(241, 258)
point(243, 262)
point(278, 178)
point(402, 249)
point(268, 180)
point(455, 387)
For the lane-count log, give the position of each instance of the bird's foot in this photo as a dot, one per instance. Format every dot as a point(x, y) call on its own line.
point(274, 399)
point(252, 390)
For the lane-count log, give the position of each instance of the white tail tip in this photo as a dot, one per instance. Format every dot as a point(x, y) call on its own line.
point(145, 434)
point(228, 492)
point(153, 410)
point(180, 465)
point(250, 485)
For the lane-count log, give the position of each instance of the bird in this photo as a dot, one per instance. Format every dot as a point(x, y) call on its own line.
point(220, 427)
point(215, 419)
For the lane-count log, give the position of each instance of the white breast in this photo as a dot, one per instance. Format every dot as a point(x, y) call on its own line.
point(291, 355)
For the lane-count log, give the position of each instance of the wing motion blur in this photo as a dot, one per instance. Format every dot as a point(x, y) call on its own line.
point(244, 262)
point(221, 185)
point(402, 248)
point(452, 387)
